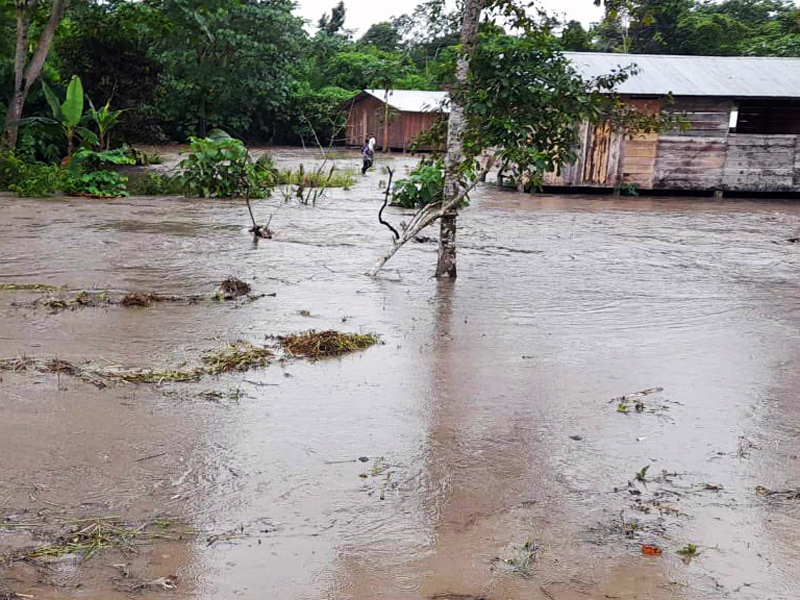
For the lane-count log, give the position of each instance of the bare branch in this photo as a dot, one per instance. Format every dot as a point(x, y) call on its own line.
point(426, 215)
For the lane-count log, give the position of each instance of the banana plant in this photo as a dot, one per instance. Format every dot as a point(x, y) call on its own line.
point(68, 115)
point(105, 119)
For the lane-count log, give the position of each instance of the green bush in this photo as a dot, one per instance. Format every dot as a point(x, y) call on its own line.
point(155, 184)
point(266, 171)
point(425, 184)
point(219, 166)
point(10, 169)
point(37, 180)
point(86, 174)
point(102, 183)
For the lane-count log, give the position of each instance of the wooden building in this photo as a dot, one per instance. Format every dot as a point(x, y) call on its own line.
point(743, 134)
point(410, 113)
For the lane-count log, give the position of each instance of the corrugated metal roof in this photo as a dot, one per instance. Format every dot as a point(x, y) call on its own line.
point(412, 100)
point(726, 76)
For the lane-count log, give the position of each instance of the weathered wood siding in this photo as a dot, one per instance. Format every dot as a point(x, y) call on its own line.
point(362, 120)
point(366, 117)
point(689, 163)
point(693, 158)
point(638, 153)
point(761, 163)
point(639, 159)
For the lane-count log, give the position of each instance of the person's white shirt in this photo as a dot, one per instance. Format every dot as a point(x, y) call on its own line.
point(372, 142)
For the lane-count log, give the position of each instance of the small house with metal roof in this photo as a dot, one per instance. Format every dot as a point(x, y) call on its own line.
point(395, 117)
point(741, 128)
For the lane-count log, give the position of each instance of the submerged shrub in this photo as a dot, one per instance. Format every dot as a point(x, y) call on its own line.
point(219, 166)
point(37, 180)
point(155, 184)
point(425, 184)
point(329, 178)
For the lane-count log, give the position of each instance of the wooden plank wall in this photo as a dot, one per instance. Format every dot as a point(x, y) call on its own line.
point(694, 158)
point(366, 117)
point(361, 120)
point(639, 159)
point(761, 163)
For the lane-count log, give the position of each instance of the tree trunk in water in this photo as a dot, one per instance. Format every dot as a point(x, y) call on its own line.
point(386, 122)
point(446, 267)
point(456, 125)
point(26, 74)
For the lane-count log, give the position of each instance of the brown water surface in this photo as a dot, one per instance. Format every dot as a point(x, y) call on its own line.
point(486, 416)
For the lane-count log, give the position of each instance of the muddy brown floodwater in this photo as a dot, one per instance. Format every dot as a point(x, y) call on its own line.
point(500, 461)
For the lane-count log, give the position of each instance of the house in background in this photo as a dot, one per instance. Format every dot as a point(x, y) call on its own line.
point(411, 113)
point(743, 134)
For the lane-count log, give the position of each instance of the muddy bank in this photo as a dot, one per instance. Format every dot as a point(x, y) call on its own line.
point(498, 463)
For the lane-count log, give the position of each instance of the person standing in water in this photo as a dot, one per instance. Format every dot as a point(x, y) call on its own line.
point(366, 155)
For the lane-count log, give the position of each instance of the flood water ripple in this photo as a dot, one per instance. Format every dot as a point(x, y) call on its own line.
point(501, 463)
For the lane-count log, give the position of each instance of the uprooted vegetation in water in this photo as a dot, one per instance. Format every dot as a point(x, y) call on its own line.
point(27, 287)
point(233, 288)
point(83, 299)
point(97, 375)
point(85, 538)
point(313, 344)
point(237, 356)
point(138, 299)
point(230, 289)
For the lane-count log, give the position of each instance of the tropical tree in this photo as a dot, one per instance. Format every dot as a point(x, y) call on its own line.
point(68, 115)
point(455, 182)
point(27, 66)
point(105, 120)
point(519, 96)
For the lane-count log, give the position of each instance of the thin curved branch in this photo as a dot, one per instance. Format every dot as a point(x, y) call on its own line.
point(385, 202)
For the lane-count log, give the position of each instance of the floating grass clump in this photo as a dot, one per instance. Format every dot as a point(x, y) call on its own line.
point(319, 344)
point(151, 375)
point(99, 376)
point(87, 537)
point(23, 363)
point(318, 179)
point(238, 356)
point(86, 540)
point(79, 300)
point(27, 287)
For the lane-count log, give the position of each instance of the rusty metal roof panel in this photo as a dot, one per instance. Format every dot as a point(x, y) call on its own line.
point(412, 100)
point(722, 76)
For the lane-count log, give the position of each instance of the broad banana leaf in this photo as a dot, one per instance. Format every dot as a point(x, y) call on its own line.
point(55, 106)
point(72, 108)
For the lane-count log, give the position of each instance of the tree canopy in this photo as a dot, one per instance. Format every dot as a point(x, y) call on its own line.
point(184, 67)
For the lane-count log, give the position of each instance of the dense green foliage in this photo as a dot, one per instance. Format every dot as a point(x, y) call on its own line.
point(172, 70)
point(219, 166)
point(701, 27)
point(180, 68)
point(425, 184)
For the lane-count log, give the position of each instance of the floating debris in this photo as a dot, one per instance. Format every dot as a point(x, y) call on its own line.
point(87, 537)
point(313, 344)
point(27, 287)
point(238, 356)
point(168, 583)
point(98, 376)
point(81, 299)
point(149, 375)
point(782, 494)
point(651, 550)
point(233, 288)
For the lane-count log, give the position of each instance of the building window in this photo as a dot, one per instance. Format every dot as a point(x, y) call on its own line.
point(769, 116)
